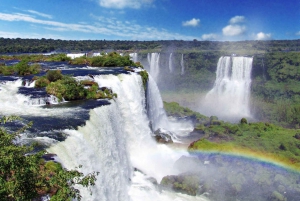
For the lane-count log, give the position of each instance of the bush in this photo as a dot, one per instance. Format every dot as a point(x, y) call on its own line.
point(6, 70)
point(41, 82)
point(54, 75)
point(67, 88)
point(244, 121)
point(23, 68)
point(145, 77)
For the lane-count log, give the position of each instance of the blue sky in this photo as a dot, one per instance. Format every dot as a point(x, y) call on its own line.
point(220, 20)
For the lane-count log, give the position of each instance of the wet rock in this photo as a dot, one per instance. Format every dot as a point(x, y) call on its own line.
point(49, 157)
point(163, 136)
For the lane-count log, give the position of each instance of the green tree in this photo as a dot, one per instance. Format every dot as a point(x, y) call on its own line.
point(24, 175)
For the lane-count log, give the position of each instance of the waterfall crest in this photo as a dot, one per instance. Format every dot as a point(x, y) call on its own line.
point(229, 98)
point(153, 60)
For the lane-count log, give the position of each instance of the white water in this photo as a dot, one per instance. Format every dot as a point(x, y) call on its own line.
point(153, 60)
point(117, 138)
point(229, 98)
point(13, 103)
point(182, 65)
point(156, 112)
point(134, 56)
point(171, 62)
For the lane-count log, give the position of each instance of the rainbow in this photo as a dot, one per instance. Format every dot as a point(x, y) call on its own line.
point(258, 157)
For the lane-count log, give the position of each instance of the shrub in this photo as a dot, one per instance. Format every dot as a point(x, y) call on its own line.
point(54, 75)
point(244, 121)
point(23, 68)
point(6, 70)
point(41, 82)
point(145, 77)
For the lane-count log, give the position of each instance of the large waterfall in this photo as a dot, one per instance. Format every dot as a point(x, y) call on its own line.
point(229, 98)
point(153, 61)
point(116, 139)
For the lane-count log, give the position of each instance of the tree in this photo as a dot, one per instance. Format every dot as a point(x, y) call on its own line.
point(24, 175)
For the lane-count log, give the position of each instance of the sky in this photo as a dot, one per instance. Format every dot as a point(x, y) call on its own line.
point(217, 20)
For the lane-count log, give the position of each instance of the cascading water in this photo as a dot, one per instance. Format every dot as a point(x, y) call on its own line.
point(155, 106)
point(117, 138)
point(182, 65)
point(134, 56)
point(171, 62)
point(153, 60)
point(229, 98)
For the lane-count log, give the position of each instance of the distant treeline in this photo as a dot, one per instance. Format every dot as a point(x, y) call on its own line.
point(18, 45)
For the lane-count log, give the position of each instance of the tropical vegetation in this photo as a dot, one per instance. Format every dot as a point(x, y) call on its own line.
point(25, 175)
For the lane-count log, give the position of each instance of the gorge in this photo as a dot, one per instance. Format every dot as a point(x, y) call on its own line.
point(115, 137)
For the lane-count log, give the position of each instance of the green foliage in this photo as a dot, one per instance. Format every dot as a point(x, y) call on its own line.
point(244, 121)
point(24, 175)
point(174, 109)
point(41, 82)
point(263, 138)
point(145, 78)
point(112, 59)
point(54, 75)
point(67, 88)
point(23, 68)
point(6, 70)
point(79, 61)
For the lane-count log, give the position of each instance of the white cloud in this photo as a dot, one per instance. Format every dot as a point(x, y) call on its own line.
point(120, 4)
point(40, 14)
point(233, 30)
point(263, 36)
point(209, 36)
point(4, 34)
point(106, 26)
point(237, 19)
point(193, 22)
point(298, 33)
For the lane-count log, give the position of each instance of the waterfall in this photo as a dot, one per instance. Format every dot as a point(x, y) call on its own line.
point(182, 65)
point(229, 98)
point(134, 56)
point(171, 62)
point(116, 139)
point(153, 60)
point(99, 146)
point(155, 106)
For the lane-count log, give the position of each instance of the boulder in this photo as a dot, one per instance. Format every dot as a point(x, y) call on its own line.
point(163, 136)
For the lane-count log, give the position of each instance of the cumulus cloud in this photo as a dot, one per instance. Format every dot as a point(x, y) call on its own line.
point(237, 19)
point(193, 22)
point(209, 36)
point(233, 30)
point(120, 4)
point(263, 36)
